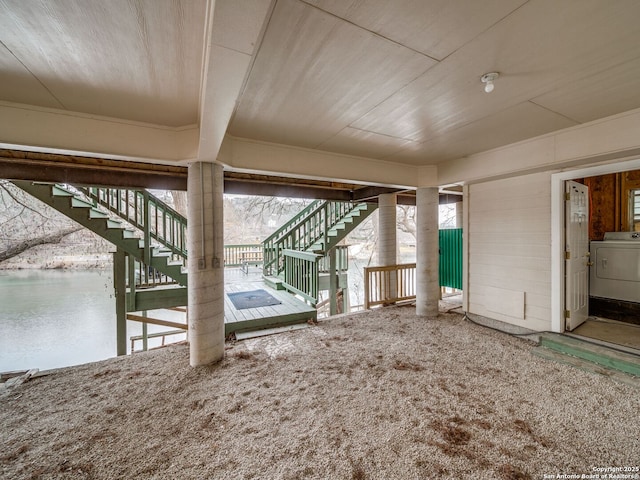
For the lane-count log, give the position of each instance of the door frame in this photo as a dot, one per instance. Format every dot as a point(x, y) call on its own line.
point(558, 230)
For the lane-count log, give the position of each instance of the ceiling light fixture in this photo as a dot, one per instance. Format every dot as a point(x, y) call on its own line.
point(488, 79)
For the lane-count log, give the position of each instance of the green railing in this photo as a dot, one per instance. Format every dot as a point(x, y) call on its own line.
point(144, 276)
point(151, 215)
point(301, 275)
point(342, 260)
point(450, 271)
point(270, 254)
point(307, 231)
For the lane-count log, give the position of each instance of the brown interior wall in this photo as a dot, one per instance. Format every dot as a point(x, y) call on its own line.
point(604, 211)
point(609, 197)
point(630, 181)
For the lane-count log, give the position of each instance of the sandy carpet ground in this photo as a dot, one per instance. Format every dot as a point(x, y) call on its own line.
point(381, 395)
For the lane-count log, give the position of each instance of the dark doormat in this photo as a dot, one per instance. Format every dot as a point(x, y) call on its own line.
point(252, 299)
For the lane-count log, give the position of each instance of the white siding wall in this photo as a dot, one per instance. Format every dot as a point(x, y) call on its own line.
point(509, 236)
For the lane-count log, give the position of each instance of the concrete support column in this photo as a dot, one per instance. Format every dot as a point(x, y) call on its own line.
point(206, 262)
point(387, 241)
point(427, 252)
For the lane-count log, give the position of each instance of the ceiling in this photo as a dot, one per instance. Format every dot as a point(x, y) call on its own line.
point(396, 81)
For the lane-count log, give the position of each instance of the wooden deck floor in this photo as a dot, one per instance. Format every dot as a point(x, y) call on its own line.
point(290, 311)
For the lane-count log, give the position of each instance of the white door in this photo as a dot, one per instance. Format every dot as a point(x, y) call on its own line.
point(576, 254)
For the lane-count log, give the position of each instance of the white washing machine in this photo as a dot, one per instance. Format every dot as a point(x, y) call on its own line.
point(615, 272)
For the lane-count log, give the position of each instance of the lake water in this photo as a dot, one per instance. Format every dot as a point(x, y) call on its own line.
point(57, 318)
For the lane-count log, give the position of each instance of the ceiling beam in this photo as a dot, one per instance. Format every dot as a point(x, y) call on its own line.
point(55, 168)
point(369, 193)
point(48, 167)
point(243, 187)
point(32, 128)
point(228, 58)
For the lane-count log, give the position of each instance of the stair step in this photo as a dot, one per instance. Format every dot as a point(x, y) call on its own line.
point(80, 203)
point(94, 213)
point(175, 263)
point(114, 224)
point(274, 282)
point(127, 233)
point(598, 354)
point(58, 191)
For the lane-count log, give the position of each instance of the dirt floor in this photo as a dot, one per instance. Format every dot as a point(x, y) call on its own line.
point(382, 395)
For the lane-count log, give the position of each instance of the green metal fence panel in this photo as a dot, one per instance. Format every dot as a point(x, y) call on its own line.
point(450, 241)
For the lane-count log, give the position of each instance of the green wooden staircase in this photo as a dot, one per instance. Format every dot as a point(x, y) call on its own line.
point(318, 229)
point(137, 209)
point(154, 234)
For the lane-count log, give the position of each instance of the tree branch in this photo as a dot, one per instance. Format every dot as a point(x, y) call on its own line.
point(25, 245)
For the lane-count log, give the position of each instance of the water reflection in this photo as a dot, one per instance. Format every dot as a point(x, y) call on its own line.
point(54, 318)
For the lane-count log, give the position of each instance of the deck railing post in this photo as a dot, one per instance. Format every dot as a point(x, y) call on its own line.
point(120, 288)
point(146, 228)
point(333, 283)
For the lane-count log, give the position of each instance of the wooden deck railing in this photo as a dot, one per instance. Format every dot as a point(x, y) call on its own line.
point(390, 284)
point(237, 255)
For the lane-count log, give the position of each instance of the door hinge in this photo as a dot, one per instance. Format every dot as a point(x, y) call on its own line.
point(567, 255)
point(567, 196)
point(567, 314)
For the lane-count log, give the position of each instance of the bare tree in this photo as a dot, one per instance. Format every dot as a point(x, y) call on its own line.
point(406, 219)
point(25, 222)
point(179, 201)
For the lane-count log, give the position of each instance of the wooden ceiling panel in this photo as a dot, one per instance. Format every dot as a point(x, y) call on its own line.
point(235, 23)
point(131, 60)
point(434, 27)
point(521, 121)
point(352, 141)
point(316, 73)
point(614, 90)
point(18, 85)
point(535, 53)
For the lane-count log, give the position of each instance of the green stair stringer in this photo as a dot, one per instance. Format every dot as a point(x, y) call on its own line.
point(597, 354)
point(118, 233)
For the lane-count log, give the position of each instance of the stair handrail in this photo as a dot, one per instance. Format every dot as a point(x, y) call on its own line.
point(137, 207)
point(307, 231)
point(268, 243)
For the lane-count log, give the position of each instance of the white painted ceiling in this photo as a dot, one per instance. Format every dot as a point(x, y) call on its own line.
point(395, 80)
